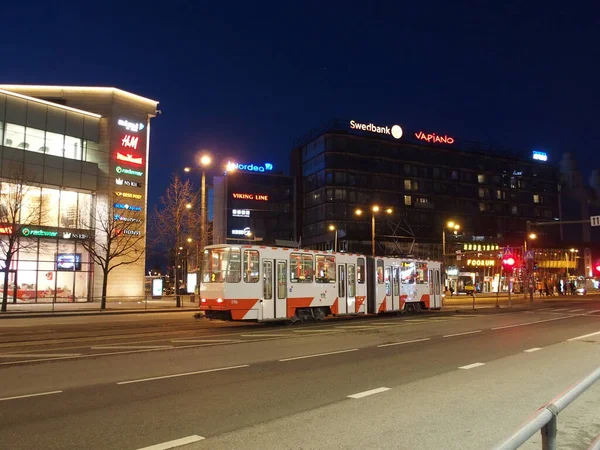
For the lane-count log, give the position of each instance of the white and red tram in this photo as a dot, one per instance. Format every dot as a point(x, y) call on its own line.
point(247, 282)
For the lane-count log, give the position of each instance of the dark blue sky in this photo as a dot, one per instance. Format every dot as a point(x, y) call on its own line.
point(244, 79)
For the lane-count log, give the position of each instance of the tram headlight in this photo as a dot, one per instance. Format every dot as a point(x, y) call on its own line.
point(219, 300)
point(203, 300)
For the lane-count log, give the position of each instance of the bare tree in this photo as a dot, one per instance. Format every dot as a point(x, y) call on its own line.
point(119, 238)
point(175, 220)
point(20, 207)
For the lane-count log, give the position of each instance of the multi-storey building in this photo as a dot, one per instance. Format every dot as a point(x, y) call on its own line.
point(83, 150)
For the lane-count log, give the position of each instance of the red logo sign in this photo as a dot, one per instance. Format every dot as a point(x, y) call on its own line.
point(6, 230)
point(130, 158)
point(261, 197)
point(434, 138)
point(129, 141)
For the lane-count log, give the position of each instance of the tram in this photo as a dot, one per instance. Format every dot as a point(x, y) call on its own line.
point(260, 283)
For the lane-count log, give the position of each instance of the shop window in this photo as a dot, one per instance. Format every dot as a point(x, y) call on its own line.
point(251, 266)
point(14, 136)
point(68, 210)
point(30, 209)
point(35, 140)
point(49, 210)
point(360, 271)
point(73, 148)
point(325, 269)
point(301, 268)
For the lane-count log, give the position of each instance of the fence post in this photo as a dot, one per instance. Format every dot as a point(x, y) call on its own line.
point(549, 430)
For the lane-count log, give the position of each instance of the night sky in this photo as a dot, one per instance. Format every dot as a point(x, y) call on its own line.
point(245, 79)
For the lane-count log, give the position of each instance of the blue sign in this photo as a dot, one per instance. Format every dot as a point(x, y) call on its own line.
point(127, 207)
point(540, 156)
point(266, 167)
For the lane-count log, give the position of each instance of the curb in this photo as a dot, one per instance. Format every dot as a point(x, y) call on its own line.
point(26, 315)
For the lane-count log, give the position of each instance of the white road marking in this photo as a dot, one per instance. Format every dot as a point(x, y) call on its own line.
point(318, 354)
point(462, 334)
point(128, 347)
point(37, 355)
point(531, 350)
point(584, 336)
point(183, 374)
point(560, 309)
point(528, 312)
point(358, 327)
point(206, 341)
point(266, 335)
point(594, 311)
point(465, 315)
point(472, 366)
point(404, 342)
point(367, 393)
point(577, 310)
point(531, 323)
point(415, 320)
point(543, 309)
point(30, 395)
point(316, 331)
point(175, 443)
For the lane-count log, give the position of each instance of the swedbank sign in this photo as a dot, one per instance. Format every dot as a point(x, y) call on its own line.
point(395, 130)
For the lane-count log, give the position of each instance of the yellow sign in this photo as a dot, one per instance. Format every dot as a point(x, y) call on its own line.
point(128, 195)
point(481, 262)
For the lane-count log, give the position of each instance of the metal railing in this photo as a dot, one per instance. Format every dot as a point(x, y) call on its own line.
point(546, 417)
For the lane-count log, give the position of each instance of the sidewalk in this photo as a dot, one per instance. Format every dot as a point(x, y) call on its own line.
point(517, 300)
point(113, 306)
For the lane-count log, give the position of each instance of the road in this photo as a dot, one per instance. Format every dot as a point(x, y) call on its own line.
point(444, 380)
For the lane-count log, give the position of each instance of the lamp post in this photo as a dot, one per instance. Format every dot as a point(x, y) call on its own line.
point(374, 209)
point(333, 228)
point(529, 236)
point(451, 226)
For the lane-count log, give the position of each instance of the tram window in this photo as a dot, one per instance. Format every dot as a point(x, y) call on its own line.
point(251, 266)
point(234, 267)
point(360, 271)
point(422, 273)
point(325, 269)
point(396, 281)
point(301, 268)
point(351, 282)
point(221, 264)
point(380, 271)
point(408, 272)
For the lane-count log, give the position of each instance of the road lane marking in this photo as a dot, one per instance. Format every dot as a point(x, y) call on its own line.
point(30, 395)
point(404, 342)
point(584, 336)
point(531, 350)
point(318, 354)
point(577, 310)
point(183, 374)
point(531, 323)
point(370, 392)
point(560, 309)
point(38, 355)
point(594, 311)
point(466, 315)
point(358, 327)
point(317, 331)
point(266, 335)
point(416, 320)
point(472, 366)
point(128, 347)
point(462, 334)
point(175, 443)
point(205, 341)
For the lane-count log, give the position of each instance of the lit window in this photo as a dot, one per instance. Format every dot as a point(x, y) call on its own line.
point(407, 185)
point(481, 178)
point(481, 206)
point(481, 192)
point(536, 198)
point(14, 136)
point(325, 269)
point(35, 140)
point(514, 210)
point(55, 144)
point(407, 200)
point(499, 194)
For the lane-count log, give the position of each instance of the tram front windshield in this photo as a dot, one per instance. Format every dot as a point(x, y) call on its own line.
point(221, 265)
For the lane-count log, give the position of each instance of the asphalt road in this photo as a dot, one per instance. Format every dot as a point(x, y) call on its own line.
point(443, 380)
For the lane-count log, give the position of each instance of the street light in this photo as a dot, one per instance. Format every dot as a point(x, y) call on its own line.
point(333, 228)
point(450, 225)
point(374, 209)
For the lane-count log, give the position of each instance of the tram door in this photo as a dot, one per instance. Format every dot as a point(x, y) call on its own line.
point(435, 288)
point(268, 300)
point(389, 299)
point(351, 291)
point(342, 299)
point(281, 302)
point(396, 303)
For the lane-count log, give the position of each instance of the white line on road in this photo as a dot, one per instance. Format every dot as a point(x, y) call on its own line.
point(175, 443)
point(531, 350)
point(462, 334)
point(472, 366)
point(37, 355)
point(30, 395)
point(129, 347)
point(358, 327)
point(266, 335)
point(531, 323)
point(584, 336)
point(577, 310)
point(404, 342)
point(594, 311)
point(367, 393)
point(560, 309)
point(206, 341)
point(317, 331)
point(318, 354)
point(183, 374)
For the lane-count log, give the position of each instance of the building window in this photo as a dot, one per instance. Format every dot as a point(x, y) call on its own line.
point(514, 210)
point(325, 269)
point(481, 178)
point(407, 185)
point(498, 194)
point(513, 183)
point(455, 175)
point(407, 200)
point(536, 198)
point(481, 193)
point(482, 206)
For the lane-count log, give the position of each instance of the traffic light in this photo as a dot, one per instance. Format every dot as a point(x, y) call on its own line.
point(596, 268)
point(508, 264)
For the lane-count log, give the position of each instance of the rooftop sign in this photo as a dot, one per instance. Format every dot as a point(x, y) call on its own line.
point(131, 126)
point(434, 138)
point(540, 156)
point(395, 131)
point(266, 167)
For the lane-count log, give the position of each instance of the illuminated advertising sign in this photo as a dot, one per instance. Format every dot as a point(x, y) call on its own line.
point(481, 262)
point(260, 197)
point(128, 157)
point(70, 235)
point(157, 287)
point(131, 126)
point(266, 167)
point(38, 232)
point(540, 156)
point(127, 219)
point(126, 171)
point(434, 138)
point(395, 131)
point(129, 141)
point(128, 195)
point(122, 182)
point(6, 230)
point(240, 213)
point(127, 207)
point(245, 232)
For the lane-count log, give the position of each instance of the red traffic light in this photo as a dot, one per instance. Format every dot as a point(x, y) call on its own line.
point(510, 261)
point(597, 267)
